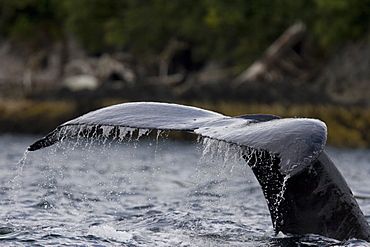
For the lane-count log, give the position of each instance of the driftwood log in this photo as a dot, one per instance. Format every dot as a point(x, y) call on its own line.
point(285, 42)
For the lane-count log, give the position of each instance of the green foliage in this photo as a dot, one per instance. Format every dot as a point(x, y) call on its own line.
point(33, 21)
point(93, 22)
point(341, 20)
point(235, 30)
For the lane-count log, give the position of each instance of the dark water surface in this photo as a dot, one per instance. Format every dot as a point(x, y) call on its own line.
point(146, 193)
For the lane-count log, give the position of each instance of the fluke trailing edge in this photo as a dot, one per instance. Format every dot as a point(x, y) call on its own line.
point(304, 190)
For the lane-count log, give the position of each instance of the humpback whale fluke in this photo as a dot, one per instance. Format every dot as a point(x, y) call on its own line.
point(304, 190)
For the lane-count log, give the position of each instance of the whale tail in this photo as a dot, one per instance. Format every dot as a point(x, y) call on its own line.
point(304, 190)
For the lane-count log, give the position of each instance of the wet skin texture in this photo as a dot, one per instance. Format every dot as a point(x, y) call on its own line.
point(317, 200)
point(304, 190)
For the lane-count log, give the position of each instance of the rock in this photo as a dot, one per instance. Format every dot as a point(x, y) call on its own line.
point(346, 78)
point(81, 82)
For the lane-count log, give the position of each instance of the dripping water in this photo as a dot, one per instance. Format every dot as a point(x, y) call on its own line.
point(81, 209)
point(217, 162)
point(14, 182)
point(279, 199)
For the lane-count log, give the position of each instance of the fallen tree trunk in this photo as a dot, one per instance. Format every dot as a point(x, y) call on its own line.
point(286, 41)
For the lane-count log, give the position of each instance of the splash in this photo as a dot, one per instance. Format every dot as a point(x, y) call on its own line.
point(108, 232)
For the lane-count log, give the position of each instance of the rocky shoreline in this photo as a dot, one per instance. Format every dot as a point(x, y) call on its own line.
point(40, 90)
point(347, 127)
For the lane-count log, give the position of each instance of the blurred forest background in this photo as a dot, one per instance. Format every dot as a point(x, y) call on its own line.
point(308, 58)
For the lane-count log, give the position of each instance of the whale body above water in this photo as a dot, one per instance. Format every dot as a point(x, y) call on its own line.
point(305, 192)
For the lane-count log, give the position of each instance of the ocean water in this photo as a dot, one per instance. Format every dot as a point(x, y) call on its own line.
point(147, 192)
